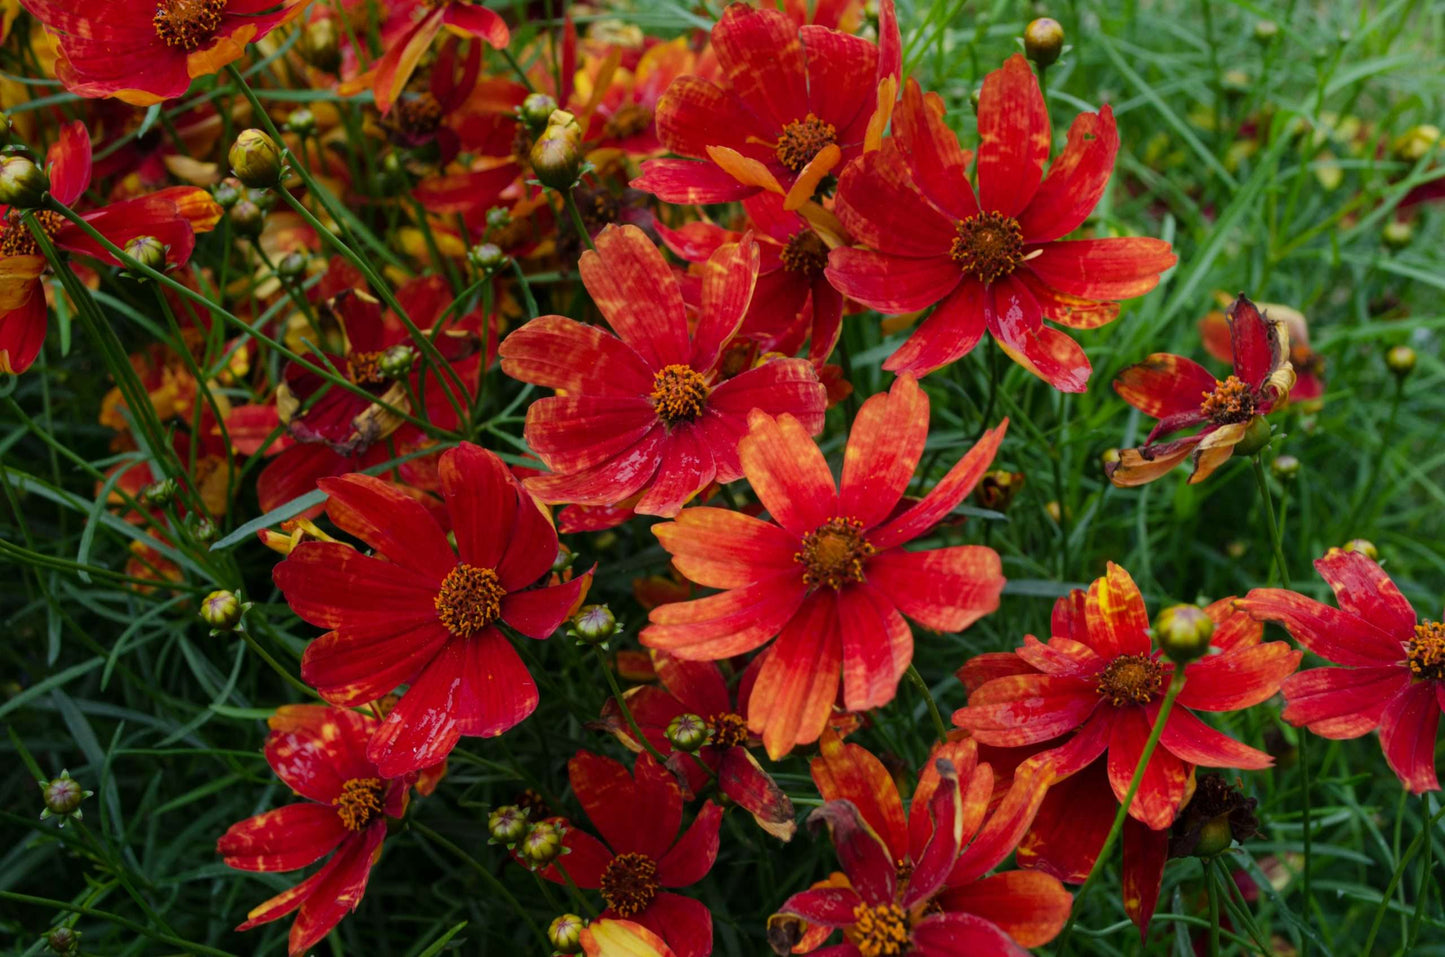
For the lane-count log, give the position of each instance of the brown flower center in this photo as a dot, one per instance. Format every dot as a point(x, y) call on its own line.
point(1231, 401)
point(16, 239)
point(630, 120)
point(834, 554)
point(1426, 653)
point(989, 245)
point(359, 802)
point(728, 730)
point(805, 253)
point(629, 884)
point(678, 394)
point(365, 367)
point(187, 24)
point(418, 115)
point(1131, 679)
point(802, 140)
point(470, 599)
point(880, 931)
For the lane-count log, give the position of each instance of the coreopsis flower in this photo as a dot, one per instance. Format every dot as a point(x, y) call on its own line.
point(1392, 664)
point(319, 753)
point(173, 216)
point(641, 411)
point(1309, 366)
point(1182, 394)
point(792, 105)
point(893, 897)
point(622, 119)
point(419, 613)
point(144, 53)
point(827, 577)
point(990, 260)
point(639, 815)
point(401, 58)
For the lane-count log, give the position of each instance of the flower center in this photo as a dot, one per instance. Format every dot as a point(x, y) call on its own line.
point(678, 394)
point(419, 115)
point(365, 367)
point(801, 141)
point(628, 121)
point(187, 24)
point(805, 253)
point(880, 931)
point(728, 730)
point(359, 802)
point(470, 599)
point(1131, 678)
point(988, 245)
point(834, 554)
point(630, 883)
point(1426, 654)
point(1231, 401)
point(16, 239)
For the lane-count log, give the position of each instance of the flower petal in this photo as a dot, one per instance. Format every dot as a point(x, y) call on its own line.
point(559, 353)
point(338, 893)
point(798, 680)
point(1329, 632)
point(350, 669)
point(946, 589)
point(686, 468)
point(743, 781)
point(729, 623)
point(930, 151)
point(1342, 702)
point(1076, 179)
point(880, 206)
point(635, 813)
point(285, 839)
point(390, 521)
point(693, 855)
point(761, 56)
point(1195, 742)
point(1029, 906)
point(865, 858)
point(1115, 269)
point(1145, 853)
point(1166, 777)
point(538, 612)
point(1013, 133)
point(944, 497)
point(1364, 590)
point(1408, 728)
point(962, 935)
point(787, 472)
point(728, 278)
point(1114, 611)
point(636, 292)
point(884, 447)
point(1238, 679)
point(481, 498)
point(334, 586)
point(849, 772)
point(949, 333)
point(718, 548)
point(891, 284)
point(869, 677)
point(1165, 385)
point(1026, 709)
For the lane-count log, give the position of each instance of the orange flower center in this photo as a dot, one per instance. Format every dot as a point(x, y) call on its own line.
point(880, 931)
point(359, 802)
point(187, 24)
point(1231, 401)
point(629, 884)
point(728, 730)
point(418, 115)
point(16, 239)
point(470, 599)
point(805, 253)
point(988, 245)
point(630, 120)
point(802, 140)
point(834, 554)
point(678, 394)
point(1131, 679)
point(1426, 653)
point(365, 367)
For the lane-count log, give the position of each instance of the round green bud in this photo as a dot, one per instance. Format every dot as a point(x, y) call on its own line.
point(148, 251)
point(203, 530)
point(1416, 142)
point(565, 933)
point(228, 192)
point(63, 940)
point(1365, 547)
point(247, 219)
point(1256, 437)
point(487, 258)
point(687, 732)
point(256, 160)
point(557, 155)
point(221, 610)
point(62, 797)
point(499, 217)
point(291, 266)
point(1043, 41)
point(396, 361)
point(507, 824)
point(1265, 31)
point(1285, 468)
point(1401, 361)
point(542, 844)
point(159, 494)
point(1183, 632)
point(1397, 234)
point(23, 184)
point(536, 110)
point(302, 122)
point(594, 624)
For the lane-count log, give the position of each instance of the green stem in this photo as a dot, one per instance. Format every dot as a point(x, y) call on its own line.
point(1274, 537)
point(492, 880)
point(937, 716)
point(1212, 880)
point(1409, 855)
point(574, 889)
point(577, 223)
point(622, 706)
point(186, 945)
point(1307, 835)
point(265, 656)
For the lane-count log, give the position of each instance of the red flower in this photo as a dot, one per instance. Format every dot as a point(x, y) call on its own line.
point(624, 116)
point(828, 576)
point(402, 56)
point(1309, 366)
point(1181, 394)
point(423, 614)
point(1393, 674)
point(642, 411)
point(794, 104)
point(320, 753)
point(992, 260)
point(638, 816)
point(144, 53)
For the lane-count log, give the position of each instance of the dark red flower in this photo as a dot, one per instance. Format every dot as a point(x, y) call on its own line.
point(402, 56)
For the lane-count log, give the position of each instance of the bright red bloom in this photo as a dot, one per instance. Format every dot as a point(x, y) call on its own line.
point(623, 117)
point(793, 105)
point(990, 260)
point(1309, 366)
point(828, 577)
point(1182, 394)
point(423, 614)
point(642, 411)
point(639, 815)
point(144, 53)
point(320, 753)
point(402, 56)
point(1393, 674)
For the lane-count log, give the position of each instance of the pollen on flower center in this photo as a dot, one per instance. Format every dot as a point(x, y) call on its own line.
point(678, 394)
point(833, 555)
point(470, 599)
point(1426, 653)
point(988, 245)
point(418, 115)
point(728, 730)
point(1231, 401)
point(802, 140)
point(630, 883)
point(627, 121)
point(880, 931)
point(359, 802)
point(365, 367)
point(805, 253)
point(16, 239)
point(1131, 679)
point(187, 25)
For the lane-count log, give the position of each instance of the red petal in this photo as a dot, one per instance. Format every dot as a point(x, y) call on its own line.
point(559, 353)
point(849, 772)
point(1016, 321)
point(798, 681)
point(607, 483)
point(690, 182)
point(842, 79)
point(334, 586)
point(686, 468)
point(946, 589)
point(761, 56)
point(1028, 906)
point(718, 548)
point(787, 472)
point(22, 330)
point(865, 858)
point(1166, 778)
point(1117, 620)
point(980, 669)
point(684, 923)
point(481, 498)
point(731, 623)
point(1253, 340)
point(930, 149)
point(1026, 709)
point(69, 163)
point(948, 334)
point(1013, 133)
point(743, 781)
point(1407, 734)
point(728, 278)
point(586, 861)
point(338, 893)
point(695, 113)
point(1063, 657)
point(390, 521)
point(943, 497)
point(352, 669)
point(315, 749)
point(285, 839)
point(1069, 831)
point(1076, 179)
point(869, 678)
point(884, 447)
point(1363, 589)
point(1238, 679)
point(962, 935)
point(1331, 633)
point(637, 294)
point(775, 387)
point(1102, 268)
point(829, 906)
point(1145, 853)
point(1166, 385)
point(401, 58)
point(891, 284)
point(538, 612)
point(879, 205)
point(937, 856)
point(479, 22)
point(636, 813)
point(694, 853)
point(1341, 702)
point(1195, 742)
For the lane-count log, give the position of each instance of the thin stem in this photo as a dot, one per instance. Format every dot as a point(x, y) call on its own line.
point(1405, 859)
point(492, 880)
point(938, 724)
point(1274, 537)
point(1308, 833)
point(622, 706)
point(1212, 879)
point(574, 889)
point(187, 945)
point(577, 223)
point(265, 656)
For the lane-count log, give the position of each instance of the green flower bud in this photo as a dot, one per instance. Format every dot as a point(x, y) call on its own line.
point(396, 361)
point(542, 843)
point(1365, 547)
point(498, 217)
point(203, 530)
point(1265, 31)
point(291, 266)
point(247, 219)
point(222, 610)
point(488, 258)
point(557, 155)
point(302, 122)
point(1401, 361)
point(320, 45)
point(23, 184)
point(1043, 41)
point(62, 797)
point(1397, 234)
point(594, 624)
point(1256, 437)
point(1183, 632)
point(227, 192)
point(63, 940)
point(1215, 837)
point(159, 494)
point(148, 251)
point(687, 732)
point(536, 110)
point(565, 933)
point(256, 160)
point(1285, 468)
point(507, 824)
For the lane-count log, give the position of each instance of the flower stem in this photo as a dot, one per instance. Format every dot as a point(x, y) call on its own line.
point(486, 875)
point(1274, 539)
point(1308, 831)
point(622, 706)
point(938, 724)
point(1424, 834)
point(577, 222)
point(265, 656)
point(1212, 879)
point(576, 891)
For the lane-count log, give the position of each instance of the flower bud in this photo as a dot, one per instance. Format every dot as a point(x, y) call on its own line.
point(507, 824)
point(23, 184)
point(687, 732)
point(320, 46)
point(1365, 547)
point(1285, 468)
point(1235, 82)
point(563, 561)
point(62, 797)
point(256, 160)
point(1217, 815)
point(487, 258)
point(1417, 141)
point(1183, 632)
point(542, 843)
point(499, 217)
point(302, 122)
point(557, 154)
point(148, 251)
point(1265, 31)
point(63, 940)
point(247, 219)
point(1397, 234)
point(1043, 41)
point(291, 266)
point(394, 178)
point(1215, 837)
point(159, 494)
point(221, 610)
point(396, 361)
point(203, 530)
point(1401, 361)
point(1256, 437)
point(594, 624)
point(536, 110)
point(227, 192)
point(565, 933)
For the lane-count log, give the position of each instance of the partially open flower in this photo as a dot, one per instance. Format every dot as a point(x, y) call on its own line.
point(23, 184)
point(256, 160)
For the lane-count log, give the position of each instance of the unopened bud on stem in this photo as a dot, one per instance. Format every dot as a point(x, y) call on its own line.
point(1183, 632)
point(256, 160)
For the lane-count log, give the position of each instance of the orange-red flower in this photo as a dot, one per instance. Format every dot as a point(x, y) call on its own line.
point(144, 53)
point(1393, 674)
point(423, 614)
point(1182, 394)
point(828, 577)
point(642, 411)
point(1309, 366)
point(402, 56)
point(990, 260)
point(623, 113)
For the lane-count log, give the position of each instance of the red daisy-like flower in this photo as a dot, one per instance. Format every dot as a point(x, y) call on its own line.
point(623, 117)
point(642, 411)
point(828, 577)
point(990, 260)
point(143, 52)
point(1393, 664)
point(792, 106)
point(1182, 394)
point(320, 753)
point(402, 56)
point(418, 612)
point(639, 815)
point(1309, 366)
